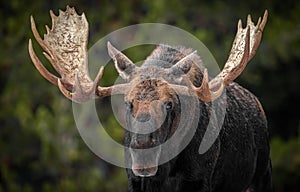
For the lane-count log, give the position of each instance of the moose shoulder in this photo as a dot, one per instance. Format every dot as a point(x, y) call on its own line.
point(239, 158)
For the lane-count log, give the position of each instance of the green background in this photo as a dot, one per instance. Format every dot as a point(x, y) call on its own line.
point(40, 147)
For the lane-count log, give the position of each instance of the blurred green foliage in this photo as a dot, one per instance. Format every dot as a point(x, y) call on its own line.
point(40, 147)
point(286, 163)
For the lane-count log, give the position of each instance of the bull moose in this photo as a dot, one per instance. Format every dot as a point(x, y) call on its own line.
point(238, 160)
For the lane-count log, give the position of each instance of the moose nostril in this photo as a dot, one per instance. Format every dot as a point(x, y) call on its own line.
point(143, 117)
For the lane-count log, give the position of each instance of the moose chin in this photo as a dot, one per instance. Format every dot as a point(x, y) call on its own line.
point(238, 160)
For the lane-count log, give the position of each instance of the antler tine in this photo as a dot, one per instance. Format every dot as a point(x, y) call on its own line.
point(256, 34)
point(107, 91)
point(80, 95)
point(40, 67)
point(37, 35)
point(264, 21)
point(65, 92)
point(209, 91)
point(249, 20)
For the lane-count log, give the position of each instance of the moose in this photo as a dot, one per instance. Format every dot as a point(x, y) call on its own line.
point(239, 158)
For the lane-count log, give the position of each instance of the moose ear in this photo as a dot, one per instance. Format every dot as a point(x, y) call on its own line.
point(184, 65)
point(124, 66)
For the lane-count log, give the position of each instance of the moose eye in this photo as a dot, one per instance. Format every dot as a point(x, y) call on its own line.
point(129, 106)
point(169, 105)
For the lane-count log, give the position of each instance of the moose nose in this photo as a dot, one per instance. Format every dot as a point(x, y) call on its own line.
point(143, 117)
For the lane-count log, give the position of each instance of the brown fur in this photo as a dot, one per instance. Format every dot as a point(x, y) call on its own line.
point(169, 56)
point(147, 91)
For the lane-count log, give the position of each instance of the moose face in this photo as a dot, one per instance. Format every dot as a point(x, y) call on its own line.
point(152, 112)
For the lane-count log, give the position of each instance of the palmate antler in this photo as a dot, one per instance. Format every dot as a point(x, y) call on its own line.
point(65, 46)
point(243, 49)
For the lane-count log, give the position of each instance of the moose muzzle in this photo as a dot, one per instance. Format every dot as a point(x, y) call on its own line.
point(145, 161)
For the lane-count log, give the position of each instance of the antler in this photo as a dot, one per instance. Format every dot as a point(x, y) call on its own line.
point(243, 49)
point(65, 47)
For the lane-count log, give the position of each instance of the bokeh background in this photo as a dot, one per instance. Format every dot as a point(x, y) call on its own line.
point(40, 148)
